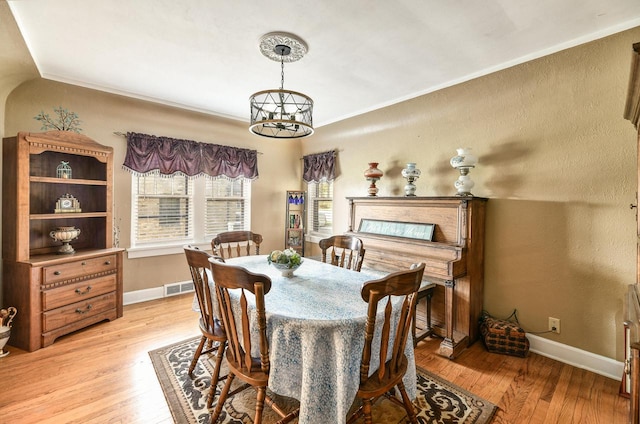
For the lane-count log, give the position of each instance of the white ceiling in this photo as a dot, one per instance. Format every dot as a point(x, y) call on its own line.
point(363, 54)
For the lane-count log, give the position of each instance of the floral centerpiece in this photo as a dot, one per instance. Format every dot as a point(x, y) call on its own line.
point(286, 260)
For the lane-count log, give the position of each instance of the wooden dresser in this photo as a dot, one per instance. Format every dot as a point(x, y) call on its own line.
point(454, 256)
point(632, 113)
point(57, 293)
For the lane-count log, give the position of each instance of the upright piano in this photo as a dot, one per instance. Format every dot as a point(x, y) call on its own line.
point(447, 234)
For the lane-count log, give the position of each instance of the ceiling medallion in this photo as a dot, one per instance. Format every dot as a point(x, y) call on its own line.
point(269, 42)
point(280, 113)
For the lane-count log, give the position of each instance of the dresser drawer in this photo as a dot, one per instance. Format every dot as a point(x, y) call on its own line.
point(76, 292)
point(79, 268)
point(69, 314)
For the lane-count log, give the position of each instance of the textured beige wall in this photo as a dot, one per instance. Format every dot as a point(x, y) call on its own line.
point(557, 161)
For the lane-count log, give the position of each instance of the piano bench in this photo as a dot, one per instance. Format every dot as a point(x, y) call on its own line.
point(425, 292)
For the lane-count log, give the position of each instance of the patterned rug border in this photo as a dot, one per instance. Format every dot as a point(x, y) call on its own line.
point(164, 373)
point(179, 406)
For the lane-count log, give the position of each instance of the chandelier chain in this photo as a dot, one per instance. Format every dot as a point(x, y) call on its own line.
point(282, 73)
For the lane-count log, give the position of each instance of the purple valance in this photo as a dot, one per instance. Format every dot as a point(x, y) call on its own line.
point(319, 167)
point(166, 156)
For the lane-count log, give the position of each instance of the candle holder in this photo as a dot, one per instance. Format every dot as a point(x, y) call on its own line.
point(463, 162)
point(411, 173)
point(373, 174)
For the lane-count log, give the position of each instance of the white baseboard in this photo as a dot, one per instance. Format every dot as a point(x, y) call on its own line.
point(560, 352)
point(147, 294)
point(576, 357)
point(143, 295)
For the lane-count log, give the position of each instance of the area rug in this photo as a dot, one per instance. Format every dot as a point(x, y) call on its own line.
point(437, 401)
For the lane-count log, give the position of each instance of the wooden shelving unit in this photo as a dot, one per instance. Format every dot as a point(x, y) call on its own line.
point(55, 293)
point(296, 208)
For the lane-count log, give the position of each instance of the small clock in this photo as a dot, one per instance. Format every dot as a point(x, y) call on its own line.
point(67, 204)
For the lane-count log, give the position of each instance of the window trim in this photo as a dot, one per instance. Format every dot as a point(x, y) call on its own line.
point(163, 249)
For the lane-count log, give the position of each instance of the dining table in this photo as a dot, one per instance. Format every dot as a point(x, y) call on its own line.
point(316, 327)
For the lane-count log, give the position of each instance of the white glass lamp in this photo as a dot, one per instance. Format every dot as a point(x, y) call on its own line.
point(411, 173)
point(463, 162)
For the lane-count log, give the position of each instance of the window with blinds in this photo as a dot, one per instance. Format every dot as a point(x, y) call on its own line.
point(177, 210)
point(228, 207)
point(320, 204)
point(161, 209)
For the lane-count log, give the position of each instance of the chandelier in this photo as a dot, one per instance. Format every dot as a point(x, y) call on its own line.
point(281, 113)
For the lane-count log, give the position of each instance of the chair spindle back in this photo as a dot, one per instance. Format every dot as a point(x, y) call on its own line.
point(343, 251)
point(402, 283)
point(238, 326)
point(236, 243)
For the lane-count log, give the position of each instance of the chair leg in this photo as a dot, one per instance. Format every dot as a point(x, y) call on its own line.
point(366, 409)
point(285, 417)
point(223, 397)
point(196, 355)
point(262, 393)
point(211, 395)
point(429, 296)
point(413, 323)
point(216, 373)
point(408, 405)
point(354, 417)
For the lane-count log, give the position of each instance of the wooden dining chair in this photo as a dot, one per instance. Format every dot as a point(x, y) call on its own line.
point(343, 251)
point(236, 243)
point(213, 334)
point(389, 370)
point(254, 371)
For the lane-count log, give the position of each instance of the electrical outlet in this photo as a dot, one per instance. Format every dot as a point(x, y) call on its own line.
point(554, 325)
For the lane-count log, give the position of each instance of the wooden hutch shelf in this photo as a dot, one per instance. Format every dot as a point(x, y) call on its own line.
point(68, 215)
point(55, 293)
point(50, 180)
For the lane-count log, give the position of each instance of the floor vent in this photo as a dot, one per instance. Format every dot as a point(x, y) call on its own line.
point(178, 288)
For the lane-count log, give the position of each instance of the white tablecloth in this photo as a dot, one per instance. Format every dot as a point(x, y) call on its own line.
point(315, 324)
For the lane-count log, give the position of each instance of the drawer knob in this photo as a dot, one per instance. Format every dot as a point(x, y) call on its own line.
point(107, 262)
point(56, 272)
point(87, 309)
point(84, 263)
point(85, 291)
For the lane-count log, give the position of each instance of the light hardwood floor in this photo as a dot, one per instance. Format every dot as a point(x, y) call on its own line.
point(103, 374)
